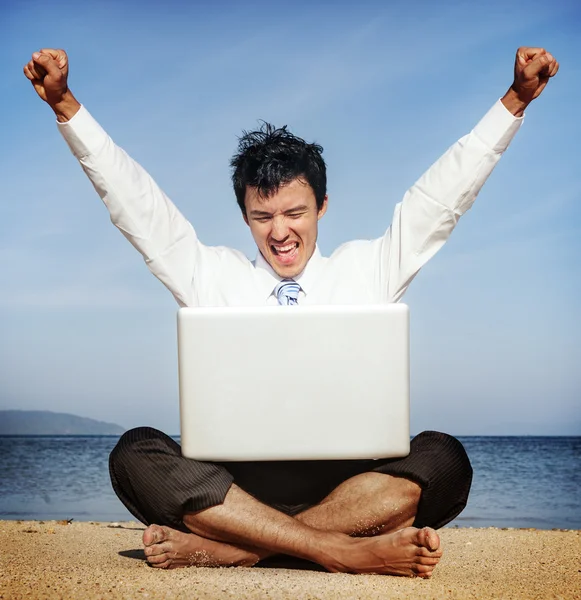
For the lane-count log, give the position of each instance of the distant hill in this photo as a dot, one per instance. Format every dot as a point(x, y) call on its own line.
point(43, 422)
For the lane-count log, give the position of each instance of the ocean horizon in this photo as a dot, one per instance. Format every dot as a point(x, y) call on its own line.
point(519, 481)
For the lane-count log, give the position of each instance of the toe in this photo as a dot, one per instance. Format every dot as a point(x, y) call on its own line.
point(166, 564)
point(429, 539)
point(423, 570)
point(153, 535)
point(423, 551)
point(158, 559)
point(427, 560)
point(154, 550)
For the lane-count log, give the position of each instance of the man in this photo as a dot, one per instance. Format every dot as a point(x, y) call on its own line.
point(349, 516)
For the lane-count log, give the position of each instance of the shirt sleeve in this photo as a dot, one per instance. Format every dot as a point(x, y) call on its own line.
point(137, 206)
point(430, 209)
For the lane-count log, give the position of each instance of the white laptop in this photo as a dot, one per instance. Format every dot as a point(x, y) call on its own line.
point(294, 382)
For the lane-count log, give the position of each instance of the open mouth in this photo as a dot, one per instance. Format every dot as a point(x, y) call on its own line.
point(287, 253)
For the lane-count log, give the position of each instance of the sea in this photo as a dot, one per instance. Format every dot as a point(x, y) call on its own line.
point(519, 482)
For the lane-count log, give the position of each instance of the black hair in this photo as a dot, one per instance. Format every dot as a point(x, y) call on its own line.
point(270, 157)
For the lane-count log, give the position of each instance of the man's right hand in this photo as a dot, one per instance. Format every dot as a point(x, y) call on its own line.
point(48, 72)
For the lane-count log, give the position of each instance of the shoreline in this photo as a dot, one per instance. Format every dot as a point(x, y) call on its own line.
point(57, 559)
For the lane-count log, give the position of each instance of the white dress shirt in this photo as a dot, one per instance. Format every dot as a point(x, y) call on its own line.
point(358, 272)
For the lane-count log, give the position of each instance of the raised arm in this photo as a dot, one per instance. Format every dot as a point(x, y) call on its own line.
point(138, 207)
point(430, 209)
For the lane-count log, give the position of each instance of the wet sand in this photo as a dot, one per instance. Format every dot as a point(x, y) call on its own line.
point(105, 560)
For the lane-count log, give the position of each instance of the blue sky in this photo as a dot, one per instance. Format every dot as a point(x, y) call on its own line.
point(385, 87)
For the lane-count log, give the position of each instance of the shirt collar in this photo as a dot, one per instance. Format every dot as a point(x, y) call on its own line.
point(306, 279)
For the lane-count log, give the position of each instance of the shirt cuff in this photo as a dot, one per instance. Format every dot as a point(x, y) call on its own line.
point(83, 134)
point(497, 128)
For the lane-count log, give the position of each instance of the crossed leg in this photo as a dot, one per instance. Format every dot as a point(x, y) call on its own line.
point(363, 526)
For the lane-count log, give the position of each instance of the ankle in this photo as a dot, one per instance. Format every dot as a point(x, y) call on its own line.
point(332, 551)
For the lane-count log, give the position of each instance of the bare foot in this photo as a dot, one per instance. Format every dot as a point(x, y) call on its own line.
point(410, 552)
point(167, 548)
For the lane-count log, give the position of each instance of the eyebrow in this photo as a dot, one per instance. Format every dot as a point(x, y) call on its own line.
point(263, 213)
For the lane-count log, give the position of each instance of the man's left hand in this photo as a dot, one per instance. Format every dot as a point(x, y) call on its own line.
point(533, 67)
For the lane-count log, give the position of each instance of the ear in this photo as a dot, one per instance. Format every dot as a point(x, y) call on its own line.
point(323, 208)
point(245, 219)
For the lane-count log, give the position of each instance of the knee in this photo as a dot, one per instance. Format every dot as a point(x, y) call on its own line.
point(450, 452)
point(138, 440)
point(138, 471)
point(447, 478)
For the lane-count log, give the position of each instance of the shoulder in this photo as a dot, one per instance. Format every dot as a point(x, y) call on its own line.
point(355, 249)
point(228, 253)
point(225, 256)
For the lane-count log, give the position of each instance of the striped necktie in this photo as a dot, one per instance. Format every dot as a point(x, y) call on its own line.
point(287, 292)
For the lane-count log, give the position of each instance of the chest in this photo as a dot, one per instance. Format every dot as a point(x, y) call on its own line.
point(334, 284)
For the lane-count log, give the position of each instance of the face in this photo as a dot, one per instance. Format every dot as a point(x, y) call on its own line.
point(285, 226)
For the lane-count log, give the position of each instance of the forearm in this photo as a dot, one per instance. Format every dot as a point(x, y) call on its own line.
point(67, 108)
point(136, 204)
point(457, 177)
point(430, 210)
point(513, 103)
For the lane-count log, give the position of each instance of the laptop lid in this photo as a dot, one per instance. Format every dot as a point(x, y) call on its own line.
point(294, 383)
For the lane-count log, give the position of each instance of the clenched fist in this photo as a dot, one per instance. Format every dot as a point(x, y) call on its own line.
point(533, 67)
point(48, 72)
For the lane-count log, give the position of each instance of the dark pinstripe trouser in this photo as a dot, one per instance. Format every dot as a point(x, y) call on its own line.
point(158, 485)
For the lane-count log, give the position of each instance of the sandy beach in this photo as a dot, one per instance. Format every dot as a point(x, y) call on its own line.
point(53, 559)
